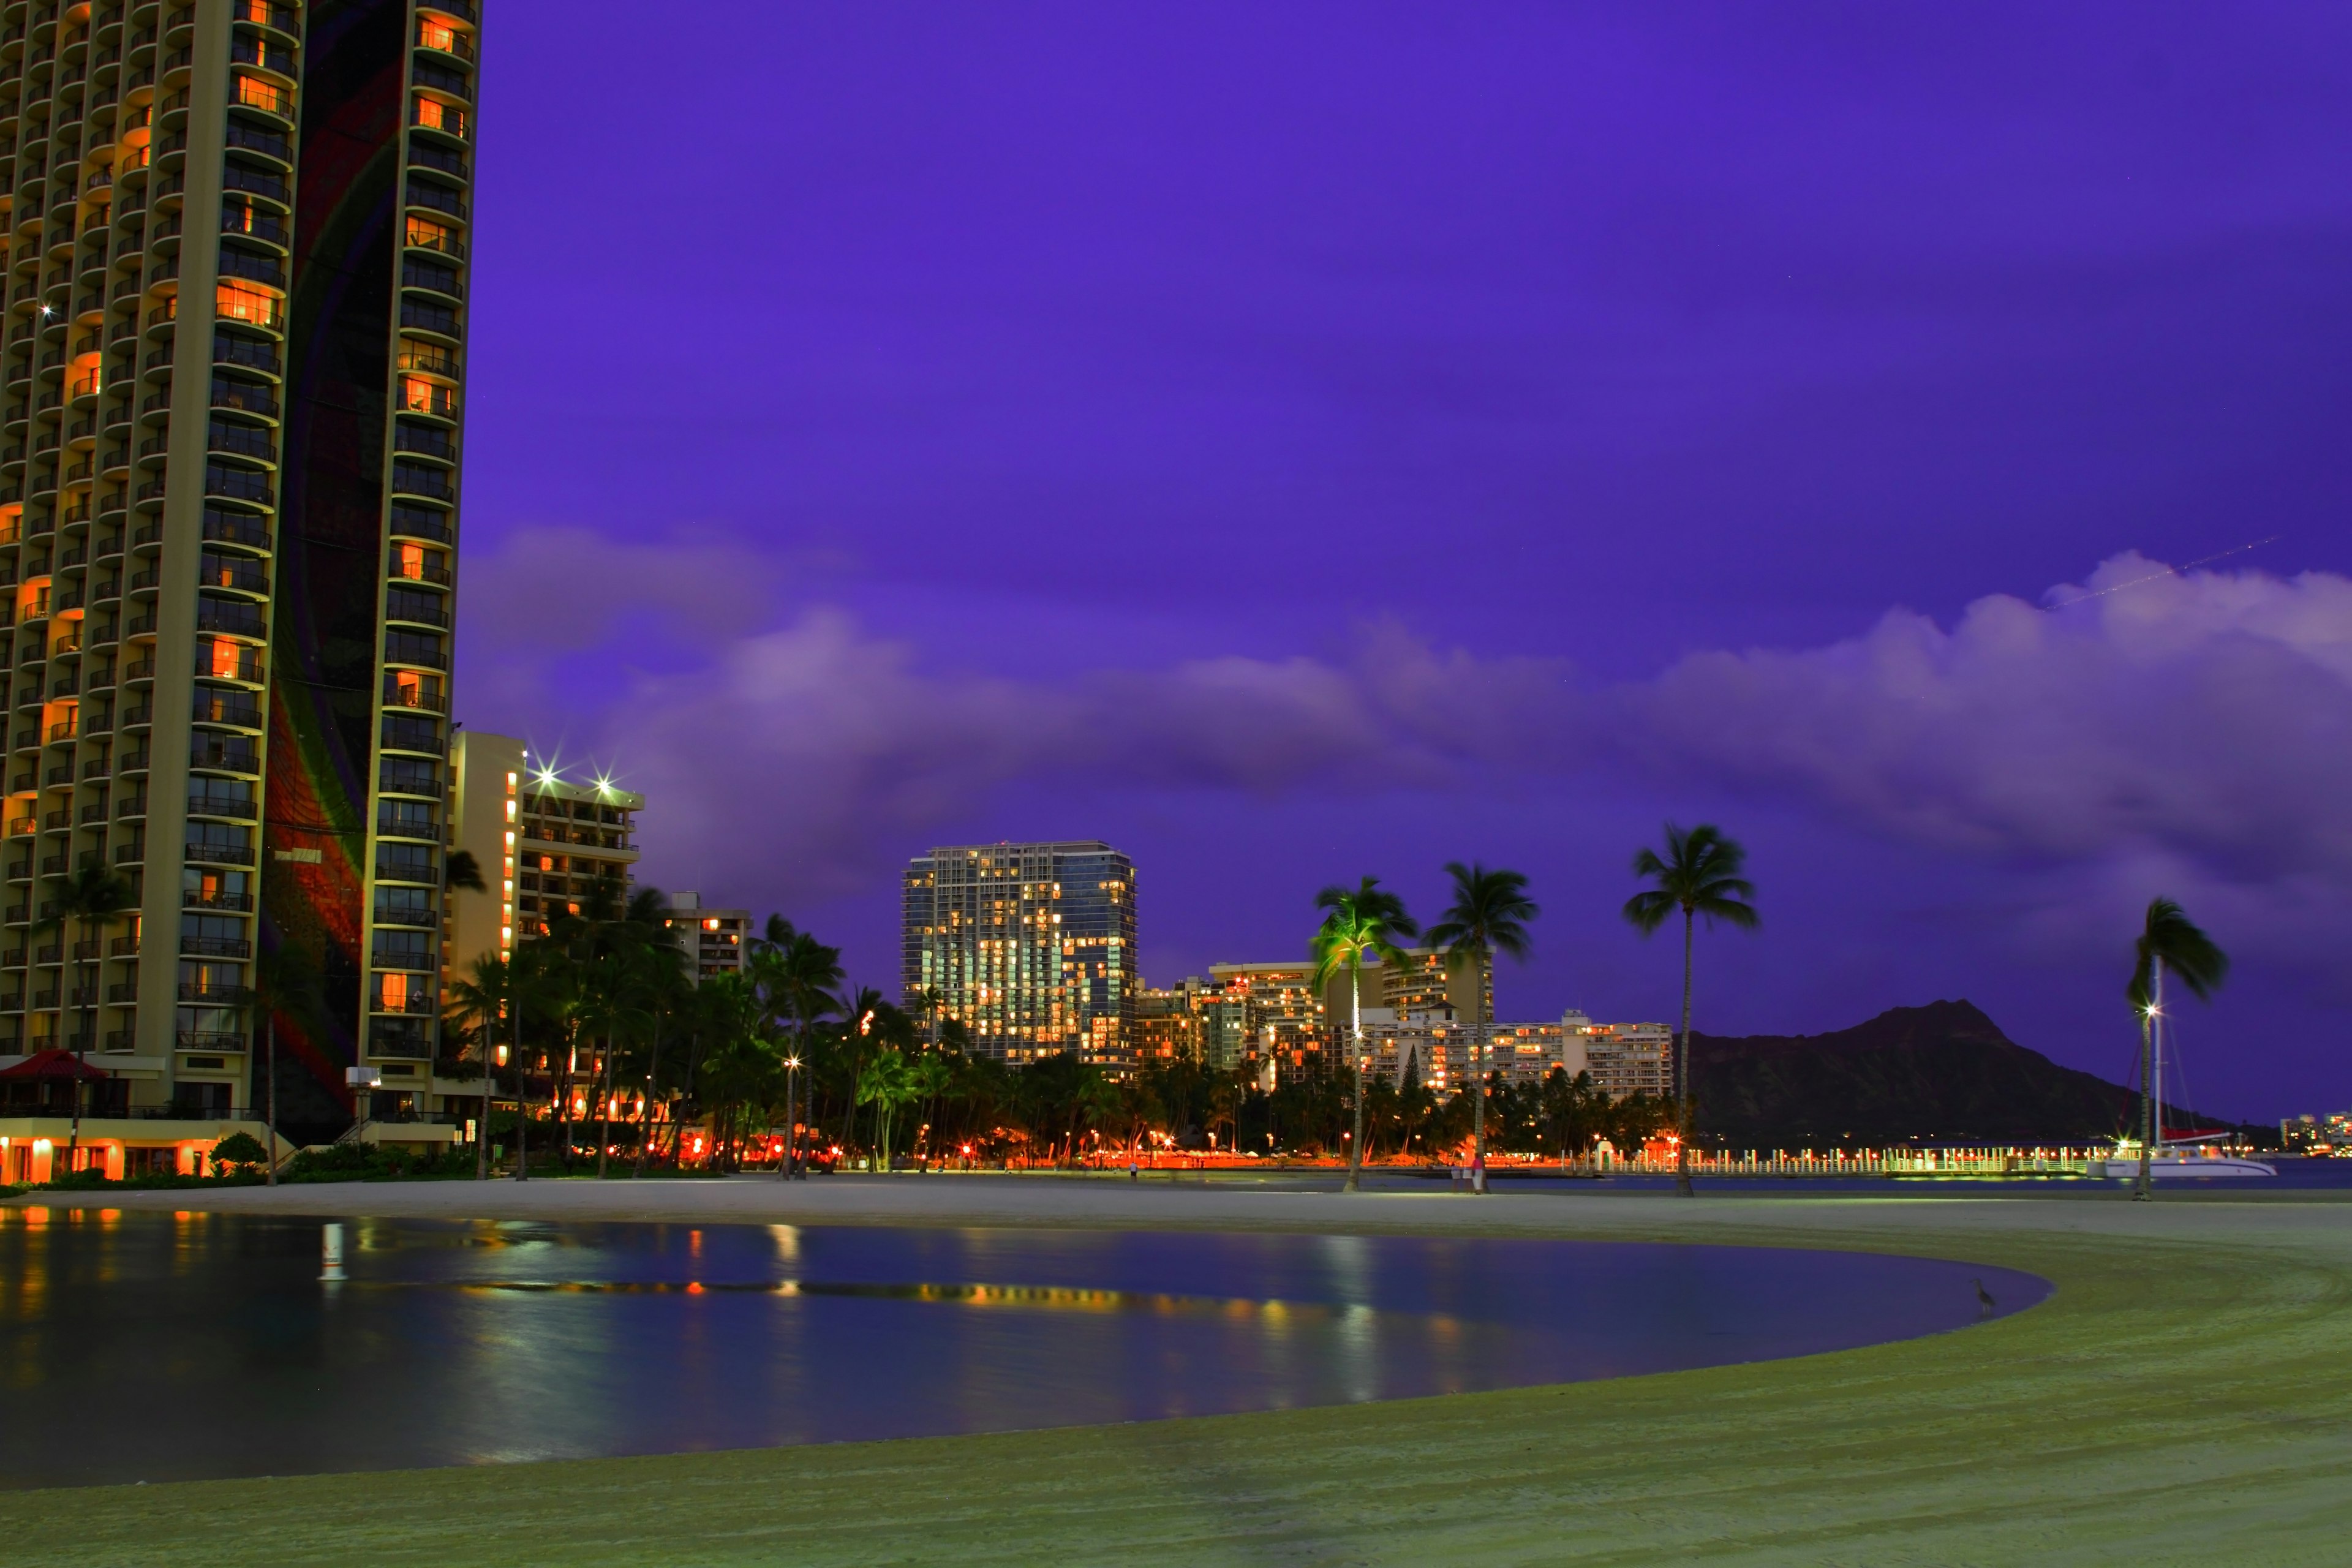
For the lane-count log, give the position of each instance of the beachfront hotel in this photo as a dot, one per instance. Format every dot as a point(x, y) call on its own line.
point(235, 238)
point(542, 842)
point(1031, 946)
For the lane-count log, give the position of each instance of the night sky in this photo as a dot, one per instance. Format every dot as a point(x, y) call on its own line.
point(1299, 441)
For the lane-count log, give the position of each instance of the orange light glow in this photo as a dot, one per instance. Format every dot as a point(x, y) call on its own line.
point(248, 302)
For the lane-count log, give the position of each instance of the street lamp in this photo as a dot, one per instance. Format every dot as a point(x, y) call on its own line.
point(792, 1118)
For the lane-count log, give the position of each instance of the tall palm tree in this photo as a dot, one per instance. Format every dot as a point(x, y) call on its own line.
point(95, 898)
point(663, 978)
point(462, 873)
point(485, 996)
point(797, 976)
point(285, 983)
point(1359, 923)
point(1489, 914)
point(2170, 944)
point(1700, 875)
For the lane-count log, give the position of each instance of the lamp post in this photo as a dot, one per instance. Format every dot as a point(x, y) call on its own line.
point(792, 1118)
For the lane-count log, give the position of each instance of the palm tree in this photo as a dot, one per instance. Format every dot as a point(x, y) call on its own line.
point(1699, 875)
point(96, 897)
point(1489, 915)
point(486, 997)
point(662, 974)
point(797, 975)
point(285, 981)
point(2170, 943)
point(1360, 924)
point(462, 873)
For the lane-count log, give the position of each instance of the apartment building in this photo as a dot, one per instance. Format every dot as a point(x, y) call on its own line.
point(1030, 945)
point(715, 941)
point(236, 239)
point(544, 842)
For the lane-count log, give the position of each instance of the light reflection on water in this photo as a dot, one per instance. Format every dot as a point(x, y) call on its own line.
point(458, 1343)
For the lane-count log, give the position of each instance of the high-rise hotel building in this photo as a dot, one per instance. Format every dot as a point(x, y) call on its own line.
point(236, 258)
point(1031, 946)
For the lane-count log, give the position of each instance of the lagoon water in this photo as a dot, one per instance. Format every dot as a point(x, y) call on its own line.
point(155, 1347)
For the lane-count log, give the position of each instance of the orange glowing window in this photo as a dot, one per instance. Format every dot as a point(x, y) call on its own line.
point(254, 94)
point(394, 991)
point(435, 34)
point(224, 659)
point(411, 561)
point(245, 302)
point(426, 235)
point(418, 396)
point(409, 689)
point(441, 117)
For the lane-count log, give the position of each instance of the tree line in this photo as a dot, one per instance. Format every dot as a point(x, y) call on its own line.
point(597, 1035)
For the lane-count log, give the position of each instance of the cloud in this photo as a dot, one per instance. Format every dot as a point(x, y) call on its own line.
point(2205, 719)
point(844, 751)
point(555, 590)
point(2154, 732)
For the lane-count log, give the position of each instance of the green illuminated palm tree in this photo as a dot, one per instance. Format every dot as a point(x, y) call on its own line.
point(1700, 875)
point(1361, 923)
point(2170, 944)
point(1489, 915)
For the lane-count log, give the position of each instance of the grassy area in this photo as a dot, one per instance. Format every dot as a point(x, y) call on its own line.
point(2188, 1392)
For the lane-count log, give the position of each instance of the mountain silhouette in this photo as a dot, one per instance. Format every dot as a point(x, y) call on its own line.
point(1943, 1073)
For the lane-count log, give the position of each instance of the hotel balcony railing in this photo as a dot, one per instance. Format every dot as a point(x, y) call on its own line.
point(214, 804)
point(230, 528)
point(430, 358)
point(238, 619)
point(432, 569)
point(238, 904)
point(246, 351)
point(216, 947)
point(213, 854)
point(420, 698)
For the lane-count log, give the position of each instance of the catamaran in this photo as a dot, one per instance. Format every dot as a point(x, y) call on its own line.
point(2178, 1151)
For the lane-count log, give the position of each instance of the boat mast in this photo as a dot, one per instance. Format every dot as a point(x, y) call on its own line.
point(2156, 1103)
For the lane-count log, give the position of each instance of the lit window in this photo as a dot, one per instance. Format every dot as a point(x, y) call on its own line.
point(236, 302)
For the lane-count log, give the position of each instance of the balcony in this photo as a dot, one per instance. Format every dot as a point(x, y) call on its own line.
point(237, 619)
point(253, 139)
point(236, 903)
point(235, 528)
point(239, 757)
point(432, 359)
point(217, 996)
point(431, 569)
point(225, 707)
point(247, 352)
point(426, 699)
point(245, 397)
point(237, 484)
point(240, 806)
point(236, 574)
point(216, 947)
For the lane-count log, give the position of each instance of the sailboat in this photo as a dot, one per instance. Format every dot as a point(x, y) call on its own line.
point(2182, 1152)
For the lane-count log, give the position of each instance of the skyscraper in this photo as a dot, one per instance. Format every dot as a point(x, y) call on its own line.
point(236, 268)
point(1031, 946)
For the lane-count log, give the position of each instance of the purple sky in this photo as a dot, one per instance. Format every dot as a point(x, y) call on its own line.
point(1295, 441)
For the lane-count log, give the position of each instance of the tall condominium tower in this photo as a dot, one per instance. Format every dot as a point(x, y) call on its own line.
point(236, 261)
point(1030, 945)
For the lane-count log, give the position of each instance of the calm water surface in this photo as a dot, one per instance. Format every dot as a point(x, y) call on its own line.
point(153, 1347)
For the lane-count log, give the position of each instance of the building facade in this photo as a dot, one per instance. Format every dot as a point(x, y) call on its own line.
point(1031, 946)
point(541, 842)
point(237, 243)
point(715, 941)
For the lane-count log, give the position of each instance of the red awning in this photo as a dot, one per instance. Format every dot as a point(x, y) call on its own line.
point(54, 1065)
